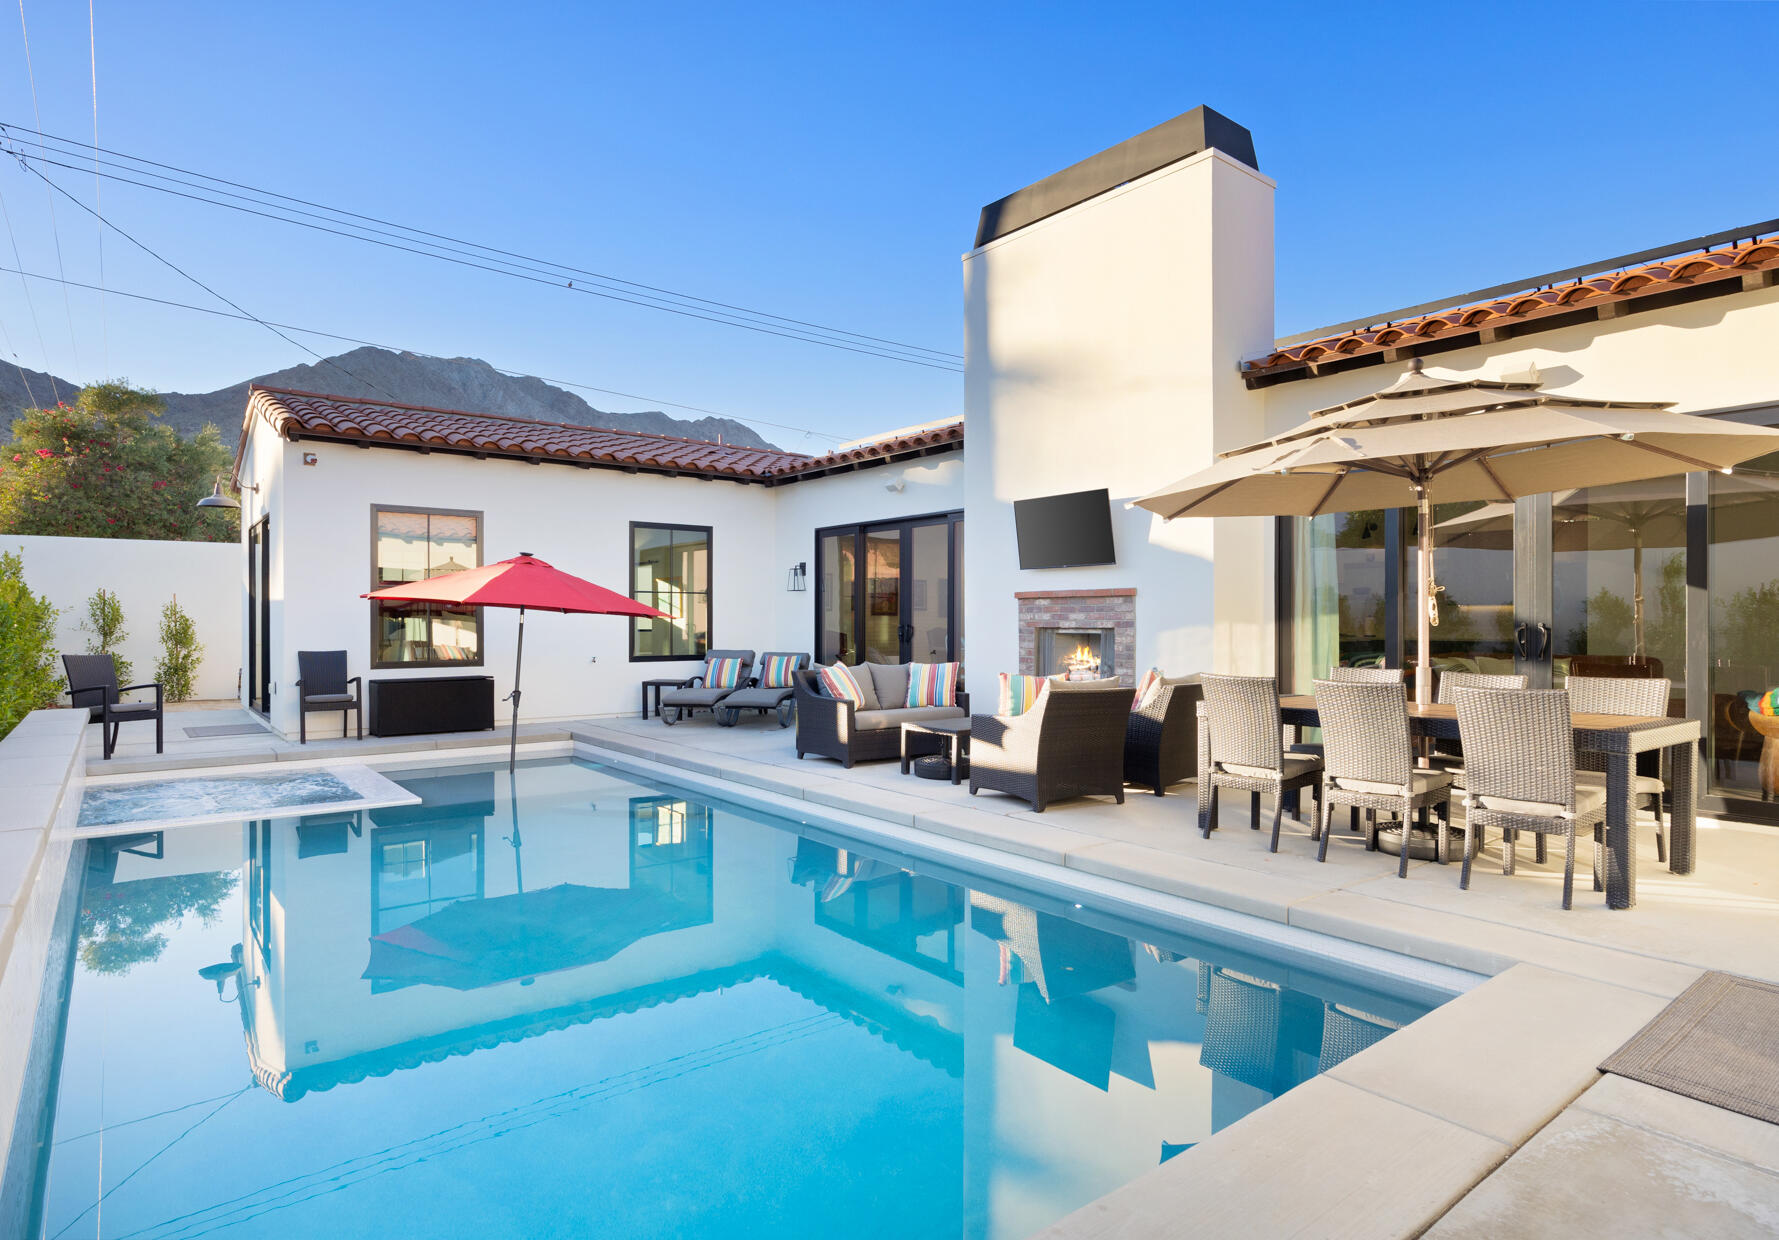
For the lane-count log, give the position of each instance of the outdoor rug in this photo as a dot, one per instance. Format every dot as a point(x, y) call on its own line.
point(224, 729)
point(1718, 1042)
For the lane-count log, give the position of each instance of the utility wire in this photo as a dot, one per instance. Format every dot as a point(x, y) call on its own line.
point(167, 262)
point(6, 340)
point(486, 258)
point(338, 211)
point(92, 37)
point(828, 436)
point(54, 229)
point(29, 305)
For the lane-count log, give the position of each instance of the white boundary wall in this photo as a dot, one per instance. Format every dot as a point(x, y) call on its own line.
point(144, 574)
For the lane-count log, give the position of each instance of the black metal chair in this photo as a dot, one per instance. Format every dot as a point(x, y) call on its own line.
point(322, 685)
point(92, 683)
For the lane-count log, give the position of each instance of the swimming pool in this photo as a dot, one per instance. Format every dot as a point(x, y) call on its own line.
point(580, 1004)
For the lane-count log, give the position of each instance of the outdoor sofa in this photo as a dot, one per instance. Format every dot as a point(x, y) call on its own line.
point(846, 733)
point(1161, 737)
point(1069, 743)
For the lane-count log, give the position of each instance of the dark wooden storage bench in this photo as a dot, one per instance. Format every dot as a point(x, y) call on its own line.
point(430, 704)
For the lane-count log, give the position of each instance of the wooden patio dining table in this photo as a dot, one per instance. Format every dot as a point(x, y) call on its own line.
point(1620, 738)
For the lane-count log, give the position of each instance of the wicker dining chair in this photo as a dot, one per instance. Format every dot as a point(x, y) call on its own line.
point(1247, 748)
point(1369, 764)
point(1624, 695)
point(1449, 754)
point(1520, 760)
point(1366, 675)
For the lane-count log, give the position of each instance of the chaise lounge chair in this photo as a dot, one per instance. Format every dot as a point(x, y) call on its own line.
point(771, 690)
point(92, 683)
point(698, 693)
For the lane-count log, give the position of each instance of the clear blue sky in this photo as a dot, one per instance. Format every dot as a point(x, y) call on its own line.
point(827, 162)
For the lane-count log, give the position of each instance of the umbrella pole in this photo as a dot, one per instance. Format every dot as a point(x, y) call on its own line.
point(1424, 602)
point(1637, 592)
point(513, 697)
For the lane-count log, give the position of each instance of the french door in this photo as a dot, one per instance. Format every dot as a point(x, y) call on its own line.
point(259, 616)
point(889, 592)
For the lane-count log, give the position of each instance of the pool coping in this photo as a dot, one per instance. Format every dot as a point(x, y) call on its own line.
point(1390, 1097)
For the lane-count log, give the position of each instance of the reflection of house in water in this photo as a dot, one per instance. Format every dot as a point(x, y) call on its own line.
point(888, 909)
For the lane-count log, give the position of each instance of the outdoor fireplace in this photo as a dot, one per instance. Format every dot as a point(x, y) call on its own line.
point(1077, 653)
point(1082, 634)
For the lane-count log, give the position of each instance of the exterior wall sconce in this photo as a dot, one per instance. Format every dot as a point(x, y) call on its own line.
point(798, 581)
point(216, 499)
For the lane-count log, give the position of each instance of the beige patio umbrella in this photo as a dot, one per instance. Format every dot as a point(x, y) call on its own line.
point(1633, 517)
point(1471, 439)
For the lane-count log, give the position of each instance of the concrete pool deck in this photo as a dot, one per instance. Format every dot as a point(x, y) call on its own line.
point(1564, 988)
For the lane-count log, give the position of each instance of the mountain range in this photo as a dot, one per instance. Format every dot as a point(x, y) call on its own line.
point(413, 379)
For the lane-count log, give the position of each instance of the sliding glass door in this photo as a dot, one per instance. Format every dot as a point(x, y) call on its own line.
point(889, 592)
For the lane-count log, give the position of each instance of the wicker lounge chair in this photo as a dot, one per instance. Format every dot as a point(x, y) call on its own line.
point(1247, 751)
point(767, 699)
point(846, 733)
point(1069, 744)
point(322, 685)
point(1161, 739)
point(1369, 764)
point(1624, 695)
point(1520, 759)
point(92, 683)
point(696, 695)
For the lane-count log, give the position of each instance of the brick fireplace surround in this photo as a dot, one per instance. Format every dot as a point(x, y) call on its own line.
point(1086, 609)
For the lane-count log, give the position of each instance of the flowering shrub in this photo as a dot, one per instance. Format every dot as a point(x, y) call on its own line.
point(106, 468)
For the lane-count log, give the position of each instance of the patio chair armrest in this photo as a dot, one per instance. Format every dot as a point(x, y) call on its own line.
point(963, 701)
point(155, 685)
point(692, 682)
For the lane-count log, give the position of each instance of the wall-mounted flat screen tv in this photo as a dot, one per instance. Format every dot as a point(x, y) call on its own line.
point(1065, 531)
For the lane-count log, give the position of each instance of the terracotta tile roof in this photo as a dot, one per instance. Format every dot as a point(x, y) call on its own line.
point(315, 415)
point(1718, 265)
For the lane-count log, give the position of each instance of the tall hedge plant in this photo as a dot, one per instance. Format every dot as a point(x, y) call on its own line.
point(28, 679)
point(104, 627)
point(181, 653)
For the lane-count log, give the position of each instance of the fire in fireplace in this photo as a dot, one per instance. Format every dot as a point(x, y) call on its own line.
point(1076, 654)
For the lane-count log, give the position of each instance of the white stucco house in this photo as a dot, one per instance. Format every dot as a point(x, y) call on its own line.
point(1119, 331)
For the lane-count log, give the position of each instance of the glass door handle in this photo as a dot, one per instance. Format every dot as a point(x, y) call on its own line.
point(1544, 641)
point(1520, 633)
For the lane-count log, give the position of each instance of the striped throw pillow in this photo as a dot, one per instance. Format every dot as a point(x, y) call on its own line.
point(1150, 684)
point(1768, 704)
point(932, 684)
point(722, 674)
point(837, 683)
point(776, 669)
point(1018, 693)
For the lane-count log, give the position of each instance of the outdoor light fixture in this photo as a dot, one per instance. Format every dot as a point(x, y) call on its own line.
point(798, 581)
point(216, 499)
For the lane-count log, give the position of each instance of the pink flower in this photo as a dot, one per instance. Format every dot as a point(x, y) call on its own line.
point(159, 485)
point(44, 452)
point(110, 520)
point(17, 457)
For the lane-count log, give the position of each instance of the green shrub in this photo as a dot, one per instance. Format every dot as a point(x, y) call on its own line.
point(181, 653)
point(105, 625)
point(28, 679)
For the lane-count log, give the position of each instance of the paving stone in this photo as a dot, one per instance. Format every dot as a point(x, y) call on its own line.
point(1588, 1174)
point(1231, 887)
point(1324, 1160)
point(1741, 1137)
point(1507, 1056)
point(1039, 841)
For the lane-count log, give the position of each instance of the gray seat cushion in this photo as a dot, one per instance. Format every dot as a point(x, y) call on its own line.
point(874, 720)
point(701, 696)
point(1587, 801)
point(1295, 764)
point(763, 698)
point(861, 672)
point(1422, 783)
point(330, 699)
point(891, 680)
point(121, 709)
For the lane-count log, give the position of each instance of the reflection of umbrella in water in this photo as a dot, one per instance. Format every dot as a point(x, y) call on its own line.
point(1630, 516)
point(1061, 957)
point(475, 943)
point(864, 869)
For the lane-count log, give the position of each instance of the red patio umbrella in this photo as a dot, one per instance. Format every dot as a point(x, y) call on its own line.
point(523, 581)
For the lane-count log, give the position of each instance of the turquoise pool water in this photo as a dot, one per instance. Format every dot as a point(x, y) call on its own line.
point(580, 1005)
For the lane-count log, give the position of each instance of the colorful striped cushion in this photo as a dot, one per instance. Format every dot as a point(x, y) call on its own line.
point(722, 674)
point(932, 684)
point(1149, 684)
point(1769, 703)
point(776, 669)
point(837, 682)
point(1018, 693)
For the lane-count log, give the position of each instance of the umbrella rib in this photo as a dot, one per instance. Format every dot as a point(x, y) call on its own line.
point(1316, 511)
point(1687, 460)
point(1205, 498)
point(1482, 460)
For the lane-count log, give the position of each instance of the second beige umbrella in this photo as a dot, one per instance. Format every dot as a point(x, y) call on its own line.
point(1474, 438)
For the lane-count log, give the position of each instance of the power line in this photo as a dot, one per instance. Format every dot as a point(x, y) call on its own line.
point(488, 258)
point(29, 305)
point(167, 262)
point(54, 229)
point(339, 211)
point(390, 348)
point(92, 36)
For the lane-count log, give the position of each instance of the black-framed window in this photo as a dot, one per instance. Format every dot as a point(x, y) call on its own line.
point(670, 571)
point(412, 544)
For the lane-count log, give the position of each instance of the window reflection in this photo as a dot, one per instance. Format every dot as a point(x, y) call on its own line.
point(1744, 577)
